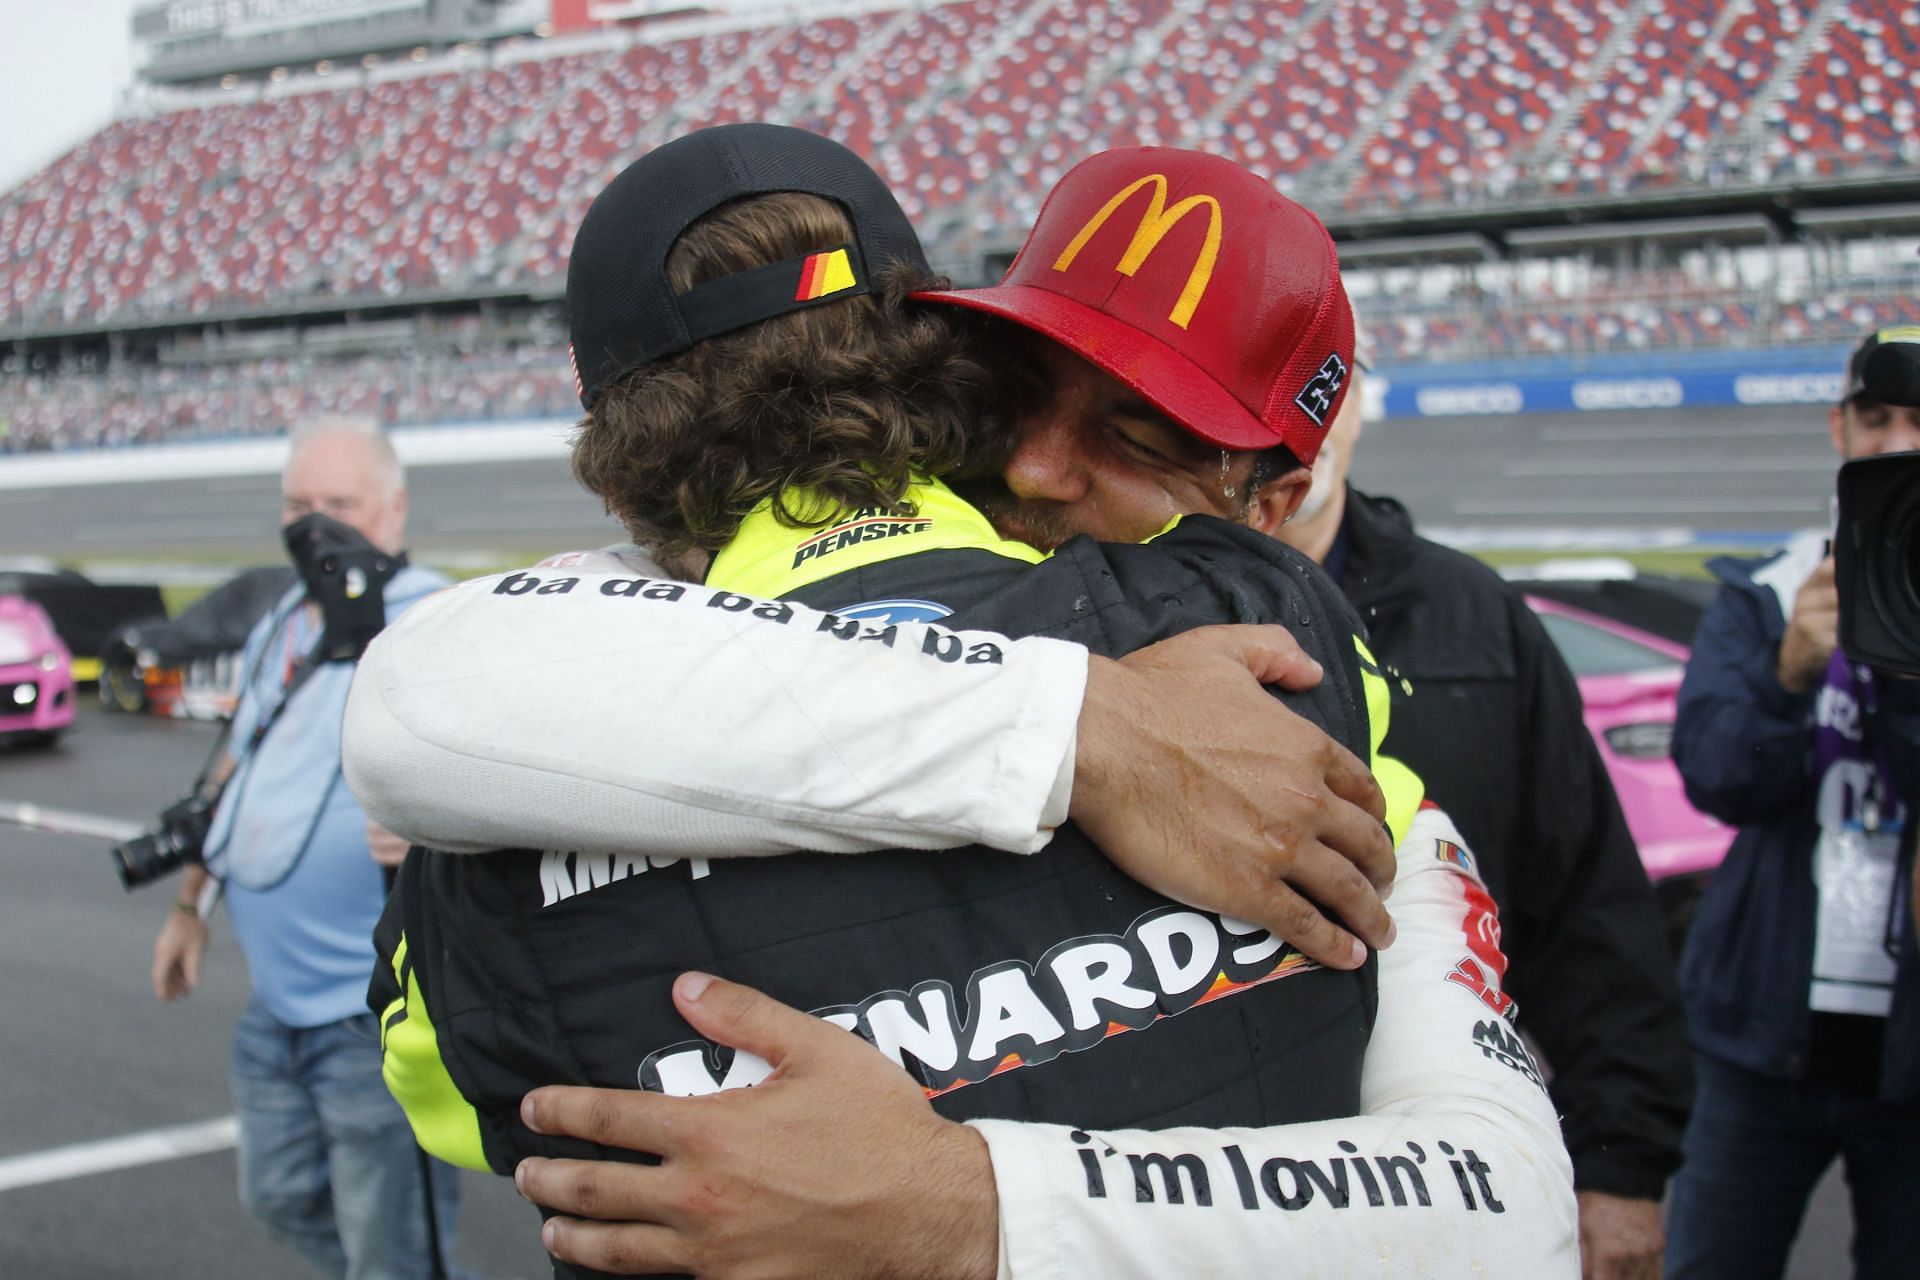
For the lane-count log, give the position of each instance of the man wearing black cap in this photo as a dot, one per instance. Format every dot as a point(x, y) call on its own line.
point(1800, 975)
point(534, 964)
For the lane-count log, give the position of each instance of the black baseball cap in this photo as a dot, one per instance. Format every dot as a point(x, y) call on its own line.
point(1886, 367)
point(621, 314)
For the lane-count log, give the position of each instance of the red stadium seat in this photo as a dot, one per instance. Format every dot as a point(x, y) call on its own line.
point(1853, 102)
point(1470, 126)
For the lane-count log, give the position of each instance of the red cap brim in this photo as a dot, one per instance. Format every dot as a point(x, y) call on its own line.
point(1168, 380)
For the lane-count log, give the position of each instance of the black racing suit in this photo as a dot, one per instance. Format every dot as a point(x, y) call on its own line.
point(1003, 983)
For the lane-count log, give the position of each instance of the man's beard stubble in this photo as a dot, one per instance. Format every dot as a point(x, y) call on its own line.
point(1044, 525)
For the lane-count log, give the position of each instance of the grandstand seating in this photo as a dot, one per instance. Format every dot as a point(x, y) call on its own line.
point(1164, 102)
point(1843, 318)
point(1855, 97)
point(1497, 328)
point(1470, 126)
point(1752, 38)
point(1627, 101)
point(472, 174)
point(1565, 329)
point(1306, 110)
point(876, 95)
point(1161, 101)
point(260, 397)
point(468, 173)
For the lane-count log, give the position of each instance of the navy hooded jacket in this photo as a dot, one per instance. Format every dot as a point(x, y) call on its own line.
point(1742, 744)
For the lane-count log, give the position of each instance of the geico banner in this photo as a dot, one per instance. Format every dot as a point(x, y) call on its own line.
point(239, 18)
point(1410, 395)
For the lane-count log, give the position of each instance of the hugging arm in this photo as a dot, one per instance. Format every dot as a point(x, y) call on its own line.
point(622, 713)
point(1455, 1166)
point(837, 1163)
point(617, 712)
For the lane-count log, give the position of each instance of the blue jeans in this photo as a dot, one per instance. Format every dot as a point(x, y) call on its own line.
point(1756, 1146)
point(327, 1161)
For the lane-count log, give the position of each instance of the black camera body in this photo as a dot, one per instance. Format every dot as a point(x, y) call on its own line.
point(1876, 551)
point(175, 840)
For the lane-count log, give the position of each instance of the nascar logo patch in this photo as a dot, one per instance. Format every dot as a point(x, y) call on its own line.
point(1455, 856)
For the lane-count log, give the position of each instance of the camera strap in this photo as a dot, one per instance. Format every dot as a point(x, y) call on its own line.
point(226, 735)
point(302, 672)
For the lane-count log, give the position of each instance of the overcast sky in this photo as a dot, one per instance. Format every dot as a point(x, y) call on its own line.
point(62, 66)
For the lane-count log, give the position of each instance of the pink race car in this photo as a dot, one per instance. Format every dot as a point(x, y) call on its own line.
point(1629, 680)
point(36, 674)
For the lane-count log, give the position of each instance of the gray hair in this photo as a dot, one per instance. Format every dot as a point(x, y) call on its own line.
point(367, 428)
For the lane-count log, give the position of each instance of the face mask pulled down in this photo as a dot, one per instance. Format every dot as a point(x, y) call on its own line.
point(346, 576)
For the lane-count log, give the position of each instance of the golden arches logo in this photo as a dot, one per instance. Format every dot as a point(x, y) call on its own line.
point(1155, 223)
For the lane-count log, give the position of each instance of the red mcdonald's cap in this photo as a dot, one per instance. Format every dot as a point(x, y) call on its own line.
point(1194, 282)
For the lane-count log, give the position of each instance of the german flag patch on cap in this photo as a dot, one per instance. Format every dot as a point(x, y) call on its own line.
point(823, 274)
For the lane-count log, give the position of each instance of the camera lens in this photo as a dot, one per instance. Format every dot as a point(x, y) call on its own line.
point(1903, 558)
point(1907, 552)
point(175, 841)
point(145, 859)
point(1877, 548)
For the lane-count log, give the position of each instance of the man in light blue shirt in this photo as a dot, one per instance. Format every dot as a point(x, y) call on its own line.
point(327, 1161)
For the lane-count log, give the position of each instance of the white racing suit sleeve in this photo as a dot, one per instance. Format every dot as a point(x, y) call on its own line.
point(628, 711)
point(1455, 1168)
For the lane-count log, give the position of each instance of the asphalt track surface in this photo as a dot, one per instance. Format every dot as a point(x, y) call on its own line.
point(1539, 477)
point(1710, 470)
point(87, 1055)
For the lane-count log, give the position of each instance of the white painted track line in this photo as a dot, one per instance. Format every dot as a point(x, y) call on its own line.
point(110, 1154)
point(38, 817)
point(204, 460)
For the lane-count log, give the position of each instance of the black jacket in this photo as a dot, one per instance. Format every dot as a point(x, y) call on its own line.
point(1495, 730)
point(1743, 744)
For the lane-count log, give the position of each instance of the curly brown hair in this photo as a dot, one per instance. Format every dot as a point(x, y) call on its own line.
point(822, 410)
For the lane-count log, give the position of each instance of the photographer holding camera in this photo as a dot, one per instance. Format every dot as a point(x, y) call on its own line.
point(1800, 975)
point(327, 1161)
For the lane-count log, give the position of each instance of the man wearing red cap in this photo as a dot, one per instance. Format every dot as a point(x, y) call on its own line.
point(1120, 280)
point(1100, 276)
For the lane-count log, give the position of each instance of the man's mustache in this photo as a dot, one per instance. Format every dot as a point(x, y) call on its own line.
point(1045, 525)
